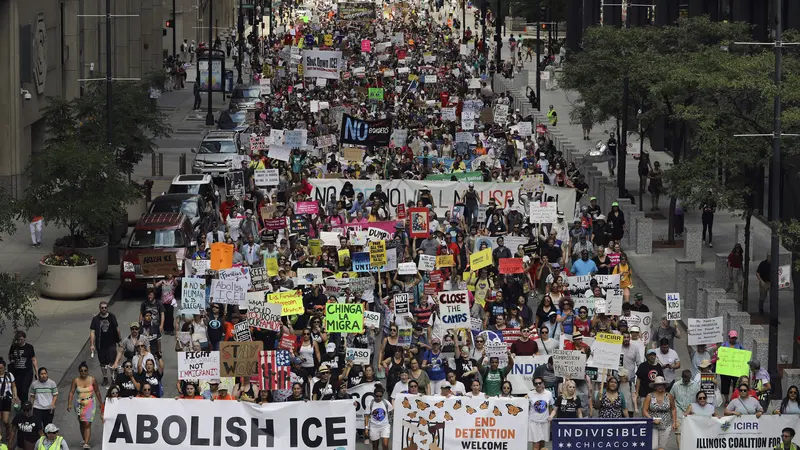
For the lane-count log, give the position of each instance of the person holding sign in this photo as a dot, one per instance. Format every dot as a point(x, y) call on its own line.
point(659, 405)
point(493, 376)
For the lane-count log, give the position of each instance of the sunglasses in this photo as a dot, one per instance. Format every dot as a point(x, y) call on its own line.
point(306, 334)
point(146, 390)
point(701, 398)
point(134, 328)
point(538, 383)
point(743, 390)
point(127, 366)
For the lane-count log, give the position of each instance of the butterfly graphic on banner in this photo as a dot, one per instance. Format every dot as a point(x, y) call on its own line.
point(276, 370)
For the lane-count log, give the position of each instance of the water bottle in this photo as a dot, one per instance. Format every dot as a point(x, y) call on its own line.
point(91, 355)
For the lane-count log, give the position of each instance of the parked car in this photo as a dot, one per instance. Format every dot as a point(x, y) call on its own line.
point(217, 153)
point(202, 185)
point(155, 233)
point(190, 205)
point(244, 98)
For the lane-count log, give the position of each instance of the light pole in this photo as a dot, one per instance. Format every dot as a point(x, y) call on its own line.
point(240, 32)
point(538, 71)
point(498, 38)
point(174, 31)
point(210, 115)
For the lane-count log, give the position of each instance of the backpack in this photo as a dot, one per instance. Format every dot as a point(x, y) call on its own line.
point(385, 405)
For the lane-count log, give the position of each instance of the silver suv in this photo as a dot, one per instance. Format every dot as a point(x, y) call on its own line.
point(217, 154)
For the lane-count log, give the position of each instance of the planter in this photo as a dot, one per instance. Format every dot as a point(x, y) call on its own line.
point(100, 255)
point(135, 210)
point(67, 283)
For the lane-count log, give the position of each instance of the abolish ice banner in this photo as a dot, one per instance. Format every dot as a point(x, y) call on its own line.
point(167, 424)
point(602, 433)
point(434, 422)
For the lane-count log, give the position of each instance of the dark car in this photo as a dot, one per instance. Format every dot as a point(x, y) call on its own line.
point(155, 233)
point(244, 98)
point(191, 205)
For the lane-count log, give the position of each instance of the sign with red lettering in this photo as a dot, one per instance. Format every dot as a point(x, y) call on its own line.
point(510, 265)
point(454, 309)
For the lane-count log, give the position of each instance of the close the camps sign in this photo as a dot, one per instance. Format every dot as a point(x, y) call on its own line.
point(167, 424)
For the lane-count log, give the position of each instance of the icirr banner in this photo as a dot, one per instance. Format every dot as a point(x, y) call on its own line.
point(735, 433)
point(439, 423)
point(167, 424)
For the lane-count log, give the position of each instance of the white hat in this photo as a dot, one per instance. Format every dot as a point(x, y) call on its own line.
point(51, 428)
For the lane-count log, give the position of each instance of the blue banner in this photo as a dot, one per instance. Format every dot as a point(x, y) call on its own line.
point(603, 434)
point(361, 262)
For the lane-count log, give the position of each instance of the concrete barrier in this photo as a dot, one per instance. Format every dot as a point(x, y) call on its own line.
point(721, 270)
point(723, 307)
point(644, 236)
point(737, 320)
point(693, 244)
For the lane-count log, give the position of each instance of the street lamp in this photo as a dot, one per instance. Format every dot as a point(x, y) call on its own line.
point(240, 32)
point(210, 115)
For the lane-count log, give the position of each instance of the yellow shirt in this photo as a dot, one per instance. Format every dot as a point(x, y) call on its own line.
point(625, 275)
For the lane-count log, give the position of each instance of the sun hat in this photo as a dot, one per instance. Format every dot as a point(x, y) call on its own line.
point(658, 381)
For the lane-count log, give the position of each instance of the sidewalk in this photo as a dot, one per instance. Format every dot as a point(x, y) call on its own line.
point(657, 271)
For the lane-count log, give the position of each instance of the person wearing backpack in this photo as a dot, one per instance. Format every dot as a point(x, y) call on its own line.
point(376, 421)
point(493, 376)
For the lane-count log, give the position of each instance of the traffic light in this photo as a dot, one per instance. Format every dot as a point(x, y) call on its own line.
point(170, 24)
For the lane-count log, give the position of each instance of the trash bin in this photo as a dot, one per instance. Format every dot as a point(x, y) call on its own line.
point(229, 81)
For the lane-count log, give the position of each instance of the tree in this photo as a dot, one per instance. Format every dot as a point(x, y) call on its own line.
point(78, 186)
point(16, 296)
point(137, 120)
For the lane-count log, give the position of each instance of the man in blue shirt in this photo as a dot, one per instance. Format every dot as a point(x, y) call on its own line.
point(584, 266)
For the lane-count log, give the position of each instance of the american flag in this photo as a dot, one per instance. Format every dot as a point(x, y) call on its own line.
point(275, 370)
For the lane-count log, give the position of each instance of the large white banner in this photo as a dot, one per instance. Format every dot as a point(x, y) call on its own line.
point(734, 433)
point(362, 394)
point(521, 375)
point(322, 64)
point(434, 422)
point(168, 424)
point(445, 193)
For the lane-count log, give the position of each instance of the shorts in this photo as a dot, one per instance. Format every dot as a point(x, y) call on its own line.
point(5, 404)
point(538, 431)
point(379, 433)
point(107, 356)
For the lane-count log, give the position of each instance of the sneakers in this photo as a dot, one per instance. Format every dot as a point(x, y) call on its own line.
point(105, 381)
point(710, 245)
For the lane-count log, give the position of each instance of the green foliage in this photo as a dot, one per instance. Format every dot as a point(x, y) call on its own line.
point(78, 186)
point(8, 212)
point(137, 120)
point(16, 303)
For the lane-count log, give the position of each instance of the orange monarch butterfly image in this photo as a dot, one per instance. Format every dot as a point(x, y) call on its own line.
point(457, 405)
point(484, 405)
point(432, 415)
point(425, 441)
point(471, 410)
point(439, 405)
point(447, 416)
point(422, 432)
point(421, 405)
point(406, 404)
point(496, 411)
point(412, 415)
point(422, 421)
point(513, 409)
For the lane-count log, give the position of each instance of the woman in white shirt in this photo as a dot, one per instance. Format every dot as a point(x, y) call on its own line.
point(456, 387)
point(476, 390)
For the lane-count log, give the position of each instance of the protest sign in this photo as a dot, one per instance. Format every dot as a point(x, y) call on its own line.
point(287, 341)
point(307, 208)
point(521, 375)
point(419, 221)
point(510, 265)
point(606, 349)
point(372, 319)
point(275, 224)
point(344, 317)
point(272, 266)
point(377, 234)
point(315, 247)
point(159, 264)
point(784, 276)
point(403, 334)
point(241, 332)
point(261, 314)
point(267, 177)
point(407, 268)
point(644, 321)
point(376, 94)
point(358, 355)
point(481, 259)
point(291, 302)
point(353, 154)
point(275, 370)
point(445, 261)
point(705, 331)
point(229, 292)
point(569, 363)
point(361, 132)
point(603, 433)
point(193, 295)
point(613, 302)
point(198, 365)
point(673, 306)
point(737, 433)
point(377, 253)
point(544, 212)
point(259, 280)
point(360, 262)
point(733, 361)
point(322, 64)
point(496, 349)
point(606, 282)
point(344, 257)
point(480, 423)
point(309, 276)
point(239, 359)
point(427, 263)
point(199, 267)
point(167, 424)
point(401, 304)
point(475, 324)
point(454, 309)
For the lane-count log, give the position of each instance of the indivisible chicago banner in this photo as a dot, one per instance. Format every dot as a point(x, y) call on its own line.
point(445, 193)
point(167, 424)
point(734, 433)
point(603, 433)
point(439, 423)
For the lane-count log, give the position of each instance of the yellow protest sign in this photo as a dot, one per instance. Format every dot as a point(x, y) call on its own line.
point(344, 317)
point(329, 40)
point(445, 261)
point(480, 259)
point(412, 77)
point(377, 253)
point(300, 69)
point(733, 362)
point(272, 267)
point(608, 338)
point(315, 247)
point(292, 302)
point(344, 255)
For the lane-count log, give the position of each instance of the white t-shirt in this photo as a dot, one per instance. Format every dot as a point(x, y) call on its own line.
point(458, 388)
point(9, 380)
point(671, 357)
point(539, 404)
point(478, 395)
point(379, 414)
point(399, 388)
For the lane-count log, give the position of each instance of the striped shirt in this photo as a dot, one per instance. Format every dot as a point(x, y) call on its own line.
point(43, 393)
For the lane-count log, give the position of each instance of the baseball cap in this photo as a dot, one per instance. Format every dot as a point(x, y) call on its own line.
point(652, 351)
point(134, 325)
point(615, 204)
point(638, 296)
point(733, 333)
point(592, 198)
point(51, 428)
point(635, 329)
point(445, 386)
